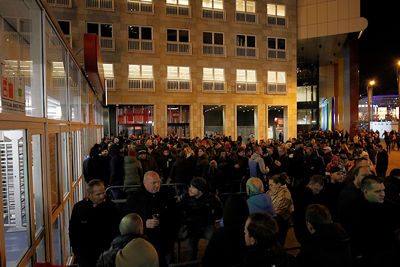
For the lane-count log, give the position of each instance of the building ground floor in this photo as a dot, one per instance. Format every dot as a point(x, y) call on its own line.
point(249, 120)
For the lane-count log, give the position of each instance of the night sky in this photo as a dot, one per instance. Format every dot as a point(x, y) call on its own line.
point(380, 46)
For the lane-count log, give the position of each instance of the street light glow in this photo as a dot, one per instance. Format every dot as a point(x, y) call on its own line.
point(398, 63)
point(372, 82)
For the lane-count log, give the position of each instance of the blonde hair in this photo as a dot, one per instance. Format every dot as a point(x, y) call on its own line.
point(254, 185)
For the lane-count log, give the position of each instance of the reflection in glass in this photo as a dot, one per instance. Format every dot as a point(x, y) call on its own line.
point(178, 120)
point(54, 181)
point(37, 183)
point(68, 250)
point(213, 120)
point(57, 253)
point(15, 194)
point(41, 250)
point(64, 163)
point(246, 121)
point(74, 89)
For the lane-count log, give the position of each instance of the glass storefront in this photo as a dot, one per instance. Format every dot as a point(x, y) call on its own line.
point(213, 120)
point(246, 122)
point(178, 120)
point(277, 122)
point(136, 120)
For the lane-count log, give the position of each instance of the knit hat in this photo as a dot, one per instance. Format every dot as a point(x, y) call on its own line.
point(200, 183)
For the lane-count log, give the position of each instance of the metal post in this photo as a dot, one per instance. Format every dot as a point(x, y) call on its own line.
point(369, 88)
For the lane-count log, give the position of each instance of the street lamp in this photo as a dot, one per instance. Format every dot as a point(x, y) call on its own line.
point(370, 87)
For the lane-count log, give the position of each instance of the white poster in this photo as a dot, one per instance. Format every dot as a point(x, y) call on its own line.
point(13, 94)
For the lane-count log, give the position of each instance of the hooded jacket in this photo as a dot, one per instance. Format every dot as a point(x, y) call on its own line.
point(261, 202)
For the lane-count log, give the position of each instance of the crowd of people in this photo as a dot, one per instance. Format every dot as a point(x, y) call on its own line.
point(242, 196)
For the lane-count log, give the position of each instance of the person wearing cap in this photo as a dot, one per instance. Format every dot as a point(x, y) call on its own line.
point(148, 162)
point(333, 187)
point(200, 210)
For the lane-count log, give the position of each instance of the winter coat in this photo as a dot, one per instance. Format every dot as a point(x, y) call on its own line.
point(329, 246)
point(261, 202)
point(282, 202)
point(133, 172)
point(261, 256)
point(201, 166)
point(382, 161)
point(137, 253)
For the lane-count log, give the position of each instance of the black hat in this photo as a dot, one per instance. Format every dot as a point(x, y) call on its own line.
point(200, 183)
point(395, 172)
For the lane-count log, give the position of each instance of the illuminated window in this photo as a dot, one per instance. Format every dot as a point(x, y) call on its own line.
point(213, 80)
point(178, 8)
point(276, 82)
point(276, 14)
point(246, 11)
point(140, 78)
point(213, 9)
point(246, 81)
point(109, 76)
point(178, 78)
point(100, 4)
point(145, 6)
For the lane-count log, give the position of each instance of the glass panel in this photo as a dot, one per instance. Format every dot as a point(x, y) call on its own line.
point(64, 25)
point(146, 33)
point(134, 71)
point(219, 4)
point(208, 74)
point(240, 40)
point(219, 74)
point(213, 120)
point(172, 1)
point(280, 10)
point(281, 77)
point(57, 247)
point(314, 93)
point(133, 32)
point(251, 6)
point(106, 30)
point(184, 73)
point(219, 38)
point(15, 191)
point(246, 122)
point(184, 36)
point(241, 75)
point(147, 71)
point(271, 77)
point(74, 89)
point(93, 28)
point(172, 35)
point(54, 187)
point(41, 250)
point(183, 2)
point(37, 179)
point(84, 100)
point(251, 41)
point(207, 38)
point(240, 5)
point(64, 163)
point(271, 43)
point(68, 250)
point(271, 9)
point(309, 93)
point(281, 44)
point(207, 3)
point(301, 94)
point(20, 58)
point(56, 65)
point(172, 72)
point(251, 76)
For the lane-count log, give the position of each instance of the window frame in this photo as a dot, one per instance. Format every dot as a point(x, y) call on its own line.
point(276, 50)
point(214, 46)
point(246, 14)
point(214, 82)
point(246, 47)
point(136, 45)
point(179, 81)
point(178, 43)
point(179, 9)
point(133, 80)
point(276, 92)
point(69, 36)
point(141, 6)
point(276, 17)
point(112, 8)
point(246, 83)
point(101, 37)
point(109, 80)
point(212, 12)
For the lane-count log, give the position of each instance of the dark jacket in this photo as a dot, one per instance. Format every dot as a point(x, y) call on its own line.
point(329, 246)
point(92, 229)
point(116, 166)
point(201, 166)
point(382, 161)
point(260, 256)
point(183, 170)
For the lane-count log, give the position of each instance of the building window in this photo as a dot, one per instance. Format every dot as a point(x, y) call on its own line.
point(109, 76)
point(178, 8)
point(213, 44)
point(140, 78)
point(246, 11)
point(276, 82)
point(136, 120)
point(246, 81)
point(105, 33)
point(307, 93)
point(306, 116)
point(178, 120)
point(140, 39)
point(145, 6)
point(178, 41)
point(59, 3)
point(246, 46)
point(276, 14)
point(178, 78)
point(276, 48)
point(100, 4)
point(66, 29)
point(213, 80)
point(213, 9)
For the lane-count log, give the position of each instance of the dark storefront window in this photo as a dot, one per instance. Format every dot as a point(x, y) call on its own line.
point(136, 120)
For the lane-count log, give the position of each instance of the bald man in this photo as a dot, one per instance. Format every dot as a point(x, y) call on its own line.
point(157, 208)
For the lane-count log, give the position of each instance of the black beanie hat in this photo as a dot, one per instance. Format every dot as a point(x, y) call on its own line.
point(200, 183)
